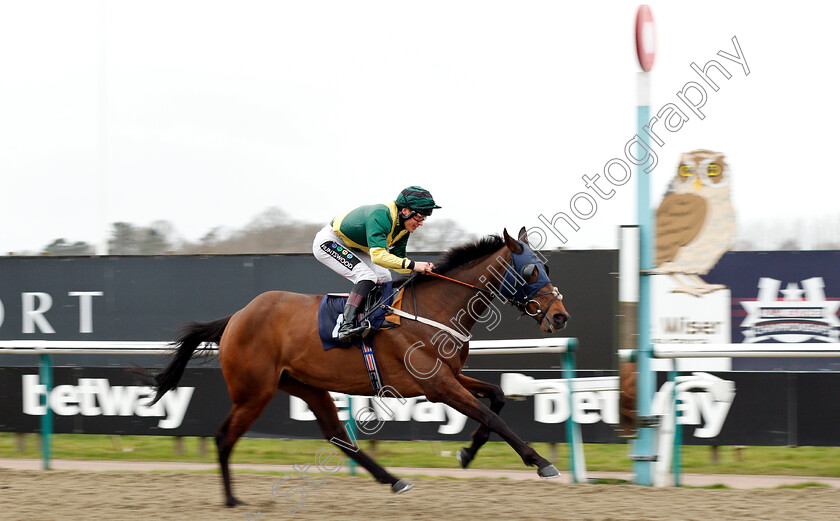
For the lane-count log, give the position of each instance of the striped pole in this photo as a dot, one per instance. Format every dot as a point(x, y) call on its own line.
point(350, 425)
point(577, 460)
point(45, 375)
point(645, 450)
point(677, 454)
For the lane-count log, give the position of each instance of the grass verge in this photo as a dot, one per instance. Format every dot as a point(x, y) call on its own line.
point(792, 461)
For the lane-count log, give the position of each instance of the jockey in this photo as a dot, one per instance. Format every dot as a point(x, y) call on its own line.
point(363, 244)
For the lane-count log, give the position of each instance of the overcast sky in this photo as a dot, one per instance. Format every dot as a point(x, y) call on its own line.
point(204, 114)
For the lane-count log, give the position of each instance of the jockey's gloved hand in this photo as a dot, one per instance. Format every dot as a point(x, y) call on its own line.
point(423, 267)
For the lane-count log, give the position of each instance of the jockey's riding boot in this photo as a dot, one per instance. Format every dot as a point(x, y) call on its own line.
point(351, 327)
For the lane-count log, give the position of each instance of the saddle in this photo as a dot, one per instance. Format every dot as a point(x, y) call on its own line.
point(330, 315)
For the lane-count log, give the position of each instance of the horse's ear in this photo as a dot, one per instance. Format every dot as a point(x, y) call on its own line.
point(512, 244)
point(523, 236)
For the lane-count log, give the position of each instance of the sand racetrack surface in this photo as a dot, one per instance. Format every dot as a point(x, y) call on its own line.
point(73, 495)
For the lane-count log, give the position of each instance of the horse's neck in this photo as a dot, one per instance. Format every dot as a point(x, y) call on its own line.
point(462, 306)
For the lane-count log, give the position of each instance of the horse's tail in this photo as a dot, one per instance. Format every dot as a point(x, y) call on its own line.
point(193, 335)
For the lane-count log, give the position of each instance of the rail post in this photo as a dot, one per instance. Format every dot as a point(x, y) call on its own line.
point(45, 375)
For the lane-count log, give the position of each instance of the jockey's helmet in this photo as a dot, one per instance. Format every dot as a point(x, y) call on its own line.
point(417, 199)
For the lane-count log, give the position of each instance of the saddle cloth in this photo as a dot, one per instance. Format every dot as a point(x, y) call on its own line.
point(331, 309)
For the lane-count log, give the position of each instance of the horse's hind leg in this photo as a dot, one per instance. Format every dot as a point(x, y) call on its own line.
point(240, 417)
point(323, 407)
point(481, 434)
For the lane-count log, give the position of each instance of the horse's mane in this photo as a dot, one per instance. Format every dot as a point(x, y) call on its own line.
point(461, 255)
point(465, 253)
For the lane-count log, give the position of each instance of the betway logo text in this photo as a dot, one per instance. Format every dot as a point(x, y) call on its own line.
point(96, 397)
point(388, 409)
point(697, 403)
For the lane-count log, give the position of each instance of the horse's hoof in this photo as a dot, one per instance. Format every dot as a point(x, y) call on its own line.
point(232, 502)
point(401, 486)
point(464, 457)
point(549, 472)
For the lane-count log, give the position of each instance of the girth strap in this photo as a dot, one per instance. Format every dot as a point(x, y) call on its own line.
point(372, 367)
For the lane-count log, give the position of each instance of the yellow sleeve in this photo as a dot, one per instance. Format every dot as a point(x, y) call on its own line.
point(381, 257)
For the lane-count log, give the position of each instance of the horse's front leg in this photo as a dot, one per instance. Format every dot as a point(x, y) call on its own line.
point(481, 434)
point(444, 387)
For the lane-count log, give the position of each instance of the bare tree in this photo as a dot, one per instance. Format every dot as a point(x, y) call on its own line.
point(439, 235)
point(275, 231)
point(789, 245)
point(272, 231)
point(128, 239)
point(62, 247)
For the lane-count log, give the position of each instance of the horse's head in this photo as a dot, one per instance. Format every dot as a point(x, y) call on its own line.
point(526, 285)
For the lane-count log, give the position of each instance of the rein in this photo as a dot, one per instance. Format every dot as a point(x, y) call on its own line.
point(521, 304)
point(423, 320)
point(461, 282)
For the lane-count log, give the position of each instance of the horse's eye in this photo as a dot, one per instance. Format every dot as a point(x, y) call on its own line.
point(528, 271)
point(545, 267)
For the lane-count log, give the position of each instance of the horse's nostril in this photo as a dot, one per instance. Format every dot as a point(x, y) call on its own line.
point(560, 318)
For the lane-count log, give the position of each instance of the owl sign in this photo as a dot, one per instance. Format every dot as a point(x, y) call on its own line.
point(695, 223)
point(645, 38)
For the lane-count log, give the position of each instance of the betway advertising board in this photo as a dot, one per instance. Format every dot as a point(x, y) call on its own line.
point(764, 409)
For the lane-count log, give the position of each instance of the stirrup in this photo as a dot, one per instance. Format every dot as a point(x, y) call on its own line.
point(350, 334)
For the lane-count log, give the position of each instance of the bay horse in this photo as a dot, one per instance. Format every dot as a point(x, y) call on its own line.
point(273, 343)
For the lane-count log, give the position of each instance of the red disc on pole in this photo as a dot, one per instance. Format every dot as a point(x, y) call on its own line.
point(645, 37)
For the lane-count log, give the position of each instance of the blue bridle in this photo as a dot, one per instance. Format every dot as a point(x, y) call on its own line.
point(514, 286)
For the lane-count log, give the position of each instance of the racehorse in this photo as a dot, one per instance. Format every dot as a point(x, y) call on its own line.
point(273, 343)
